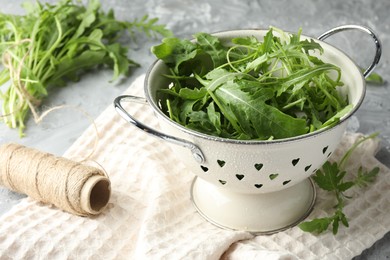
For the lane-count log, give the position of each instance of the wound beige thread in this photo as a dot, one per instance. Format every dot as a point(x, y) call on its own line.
point(69, 185)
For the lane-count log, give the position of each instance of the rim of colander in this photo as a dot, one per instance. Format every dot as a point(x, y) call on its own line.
point(157, 109)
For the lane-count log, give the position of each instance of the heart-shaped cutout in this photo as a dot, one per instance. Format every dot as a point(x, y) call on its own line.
point(324, 149)
point(286, 182)
point(222, 182)
point(257, 185)
point(240, 176)
point(204, 168)
point(258, 166)
point(221, 163)
point(307, 168)
point(295, 161)
point(273, 176)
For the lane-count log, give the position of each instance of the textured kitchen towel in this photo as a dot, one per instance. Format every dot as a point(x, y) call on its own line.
point(150, 215)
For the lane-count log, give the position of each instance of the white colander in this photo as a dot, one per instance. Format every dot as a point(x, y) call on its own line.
point(258, 186)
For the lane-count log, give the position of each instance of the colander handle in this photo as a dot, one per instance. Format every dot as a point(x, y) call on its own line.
point(196, 152)
point(367, 30)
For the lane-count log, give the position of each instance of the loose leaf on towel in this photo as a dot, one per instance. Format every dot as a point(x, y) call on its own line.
point(332, 178)
point(320, 225)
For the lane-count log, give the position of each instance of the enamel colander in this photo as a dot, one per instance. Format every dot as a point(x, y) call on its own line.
point(258, 186)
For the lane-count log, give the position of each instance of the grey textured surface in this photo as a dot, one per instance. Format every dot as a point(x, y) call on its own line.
point(94, 92)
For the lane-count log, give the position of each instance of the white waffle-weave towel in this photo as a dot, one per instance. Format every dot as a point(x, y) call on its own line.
point(150, 215)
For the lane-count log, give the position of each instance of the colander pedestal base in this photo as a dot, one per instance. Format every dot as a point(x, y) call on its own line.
point(263, 213)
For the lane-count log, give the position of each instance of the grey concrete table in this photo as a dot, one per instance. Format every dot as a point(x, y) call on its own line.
point(94, 92)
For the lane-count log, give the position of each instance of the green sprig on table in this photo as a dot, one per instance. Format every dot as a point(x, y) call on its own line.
point(52, 44)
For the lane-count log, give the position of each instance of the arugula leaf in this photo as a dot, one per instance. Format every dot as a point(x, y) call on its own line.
point(375, 78)
point(53, 43)
point(254, 117)
point(268, 89)
point(331, 177)
point(87, 18)
point(300, 78)
point(195, 93)
point(212, 47)
point(149, 26)
point(365, 177)
point(317, 225)
point(320, 225)
point(174, 52)
point(214, 117)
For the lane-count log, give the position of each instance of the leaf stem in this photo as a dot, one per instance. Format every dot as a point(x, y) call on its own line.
point(348, 154)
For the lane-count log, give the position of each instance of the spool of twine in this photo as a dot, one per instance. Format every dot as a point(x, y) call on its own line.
point(69, 185)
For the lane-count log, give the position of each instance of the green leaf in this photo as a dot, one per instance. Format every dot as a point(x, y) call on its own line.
point(268, 42)
point(217, 78)
point(212, 46)
point(335, 224)
point(349, 152)
point(338, 217)
point(311, 45)
point(329, 176)
point(344, 220)
point(174, 52)
point(304, 75)
point(71, 67)
point(201, 120)
point(318, 225)
point(87, 18)
point(59, 42)
point(365, 177)
point(254, 117)
point(345, 186)
point(149, 27)
point(336, 118)
point(121, 63)
point(215, 117)
point(375, 78)
point(262, 90)
point(185, 110)
point(93, 42)
point(256, 63)
point(187, 93)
